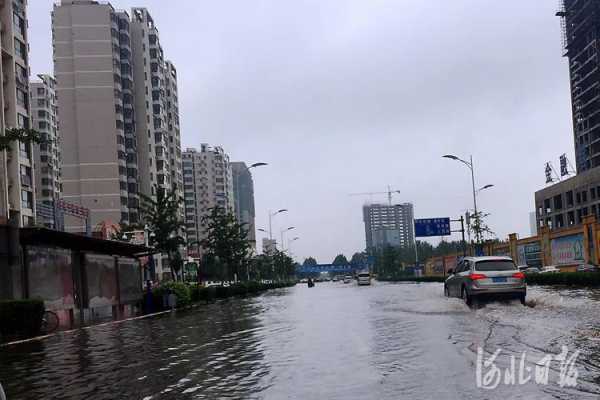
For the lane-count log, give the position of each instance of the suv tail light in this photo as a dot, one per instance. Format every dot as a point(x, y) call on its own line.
point(518, 275)
point(475, 277)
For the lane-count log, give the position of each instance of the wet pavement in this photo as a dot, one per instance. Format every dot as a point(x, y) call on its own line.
point(334, 341)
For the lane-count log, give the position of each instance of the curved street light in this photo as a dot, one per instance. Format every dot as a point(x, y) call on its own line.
point(258, 164)
point(271, 215)
point(484, 187)
point(284, 231)
point(470, 165)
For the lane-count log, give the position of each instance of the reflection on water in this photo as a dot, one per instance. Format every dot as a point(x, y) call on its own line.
point(335, 341)
point(209, 352)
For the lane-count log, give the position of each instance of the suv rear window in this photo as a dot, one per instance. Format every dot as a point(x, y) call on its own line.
point(363, 275)
point(495, 265)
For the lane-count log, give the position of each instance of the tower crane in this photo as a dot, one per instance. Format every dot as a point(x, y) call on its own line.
point(389, 193)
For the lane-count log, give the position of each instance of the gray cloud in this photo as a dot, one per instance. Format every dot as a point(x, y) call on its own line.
point(350, 96)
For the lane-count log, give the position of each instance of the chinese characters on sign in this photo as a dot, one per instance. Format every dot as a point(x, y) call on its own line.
point(488, 375)
point(432, 227)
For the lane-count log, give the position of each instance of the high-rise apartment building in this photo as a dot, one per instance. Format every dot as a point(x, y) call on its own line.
point(47, 155)
point(389, 225)
point(17, 182)
point(580, 28)
point(156, 108)
point(93, 70)
point(243, 197)
point(207, 183)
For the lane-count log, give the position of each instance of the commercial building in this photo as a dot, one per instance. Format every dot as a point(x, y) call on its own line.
point(47, 155)
point(388, 225)
point(208, 184)
point(17, 178)
point(568, 202)
point(92, 63)
point(243, 197)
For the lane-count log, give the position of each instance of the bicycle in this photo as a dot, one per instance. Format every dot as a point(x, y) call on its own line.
point(49, 322)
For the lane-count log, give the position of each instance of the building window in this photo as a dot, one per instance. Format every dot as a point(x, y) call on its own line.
point(584, 196)
point(20, 49)
point(22, 98)
point(26, 199)
point(22, 121)
point(547, 208)
point(578, 198)
point(569, 195)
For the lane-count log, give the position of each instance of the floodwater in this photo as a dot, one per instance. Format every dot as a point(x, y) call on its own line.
point(334, 341)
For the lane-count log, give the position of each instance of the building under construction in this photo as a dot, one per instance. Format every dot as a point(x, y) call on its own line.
point(389, 225)
point(580, 22)
point(567, 203)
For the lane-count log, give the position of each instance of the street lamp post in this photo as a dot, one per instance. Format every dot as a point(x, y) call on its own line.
point(271, 215)
point(289, 247)
point(471, 166)
point(282, 232)
point(237, 206)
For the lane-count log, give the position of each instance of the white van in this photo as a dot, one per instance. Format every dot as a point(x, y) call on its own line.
point(364, 278)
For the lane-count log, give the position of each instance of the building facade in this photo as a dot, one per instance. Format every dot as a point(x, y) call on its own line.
point(47, 155)
point(92, 62)
point(580, 25)
point(17, 178)
point(156, 108)
point(566, 203)
point(207, 180)
point(243, 198)
point(388, 225)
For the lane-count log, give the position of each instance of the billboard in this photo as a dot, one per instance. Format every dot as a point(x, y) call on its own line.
point(432, 227)
point(567, 250)
point(530, 254)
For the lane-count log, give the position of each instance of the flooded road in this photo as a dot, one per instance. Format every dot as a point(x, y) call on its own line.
point(335, 341)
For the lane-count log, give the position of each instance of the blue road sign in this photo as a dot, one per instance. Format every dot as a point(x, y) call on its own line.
point(432, 227)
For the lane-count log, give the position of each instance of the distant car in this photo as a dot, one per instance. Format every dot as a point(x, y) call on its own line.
point(336, 278)
point(347, 279)
point(550, 269)
point(303, 280)
point(478, 277)
point(587, 268)
point(363, 278)
point(531, 270)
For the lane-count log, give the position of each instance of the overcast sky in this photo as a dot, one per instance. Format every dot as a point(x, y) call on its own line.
point(350, 96)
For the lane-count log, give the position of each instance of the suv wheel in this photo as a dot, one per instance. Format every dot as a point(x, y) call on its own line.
point(465, 296)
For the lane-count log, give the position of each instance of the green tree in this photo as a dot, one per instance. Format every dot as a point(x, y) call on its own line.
point(309, 262)
point(284, 266)
point(23, 135)
point(359, 259)
point(340, 259)
point(161, 214)
point(226, 242)
point(478, 226)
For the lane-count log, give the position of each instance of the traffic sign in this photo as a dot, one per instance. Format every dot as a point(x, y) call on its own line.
point(432, 227)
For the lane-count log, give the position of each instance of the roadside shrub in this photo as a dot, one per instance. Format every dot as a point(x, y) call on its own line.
point(21, 317)
point(221, 292)
point(412, 279)
point(587, 279)
point(181, 290)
